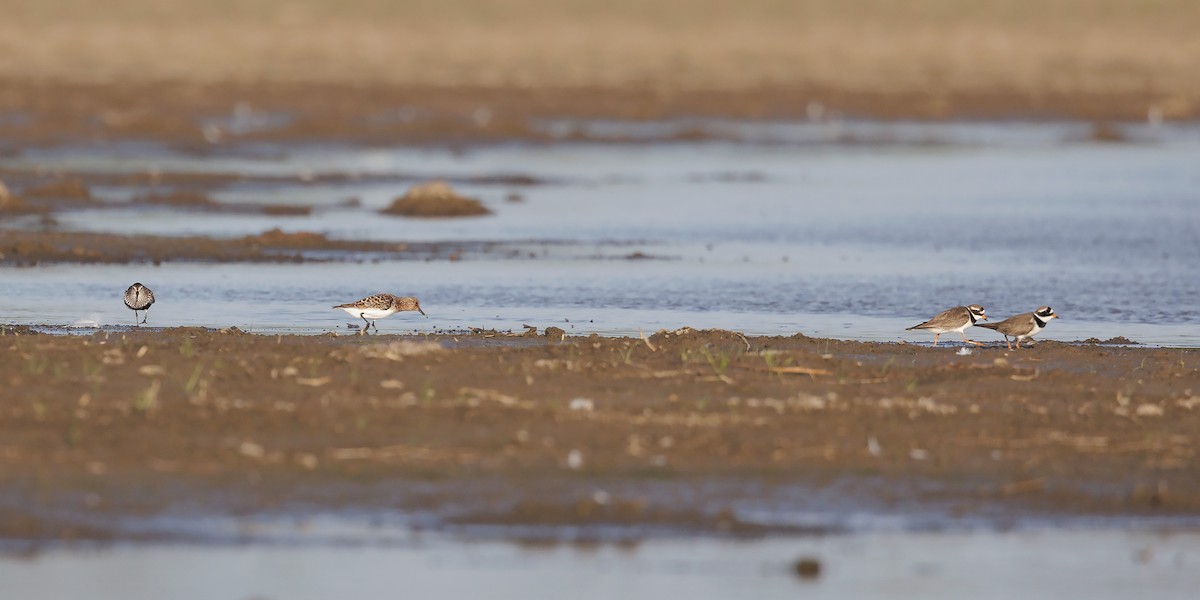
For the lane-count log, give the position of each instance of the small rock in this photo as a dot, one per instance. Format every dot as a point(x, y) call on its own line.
point(1149, 410)
point(807, 568)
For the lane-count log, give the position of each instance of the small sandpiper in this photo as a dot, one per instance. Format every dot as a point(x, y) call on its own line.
point(139, 297)
point(1023, 325)
point(957, 319)
point(380, 306)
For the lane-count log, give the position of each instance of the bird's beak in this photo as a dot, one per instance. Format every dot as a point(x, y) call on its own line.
point(984, 317)
point(1056, 316)
point(422, 312)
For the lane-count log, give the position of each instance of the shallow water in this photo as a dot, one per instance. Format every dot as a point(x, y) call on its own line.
point(1063, 564)
point(779, 231)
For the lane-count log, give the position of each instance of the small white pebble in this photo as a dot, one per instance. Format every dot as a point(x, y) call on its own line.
point(963, 352)
point(575, 460)
point(918, 454)
point(1149, 410)
point(583, 404)
point(873, 446)
point(251, 449)
point(306, 460)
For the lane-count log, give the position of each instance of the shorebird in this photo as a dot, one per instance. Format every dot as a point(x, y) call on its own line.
point(957, 319)
point(139, 297)
point(1023, 325)
point(380, 306)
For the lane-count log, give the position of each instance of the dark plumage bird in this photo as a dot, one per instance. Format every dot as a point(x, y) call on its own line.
point(957, 319)
point(1023, 325)
point(139, 297)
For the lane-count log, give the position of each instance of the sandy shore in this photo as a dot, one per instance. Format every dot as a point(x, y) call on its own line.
point(508, 429)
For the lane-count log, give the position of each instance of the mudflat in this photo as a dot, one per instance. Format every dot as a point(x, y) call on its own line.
point(536, 429)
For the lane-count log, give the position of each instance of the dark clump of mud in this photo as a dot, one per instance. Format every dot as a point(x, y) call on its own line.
point(25, 248)
point(69, 188)
point(180, 198)
point(435, 199)
point(286, 210)
point(1114, 341)
point(807, 568)
point(277, 238)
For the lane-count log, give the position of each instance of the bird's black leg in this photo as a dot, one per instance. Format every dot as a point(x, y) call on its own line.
point(145, 315)
point(366, 329)
point(135, 316)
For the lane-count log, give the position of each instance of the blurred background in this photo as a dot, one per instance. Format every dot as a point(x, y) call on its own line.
point(1040, 51)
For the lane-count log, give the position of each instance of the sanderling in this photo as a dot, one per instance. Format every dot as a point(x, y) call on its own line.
point(380, 306)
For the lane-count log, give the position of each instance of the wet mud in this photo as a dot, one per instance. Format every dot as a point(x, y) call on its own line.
point(675, 431)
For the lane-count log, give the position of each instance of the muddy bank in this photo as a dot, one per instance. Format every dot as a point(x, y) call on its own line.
point(30, 248)
point(678, 431)
point(183, 114)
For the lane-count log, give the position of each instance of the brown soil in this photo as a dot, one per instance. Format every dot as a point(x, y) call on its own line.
point(180, 198)
point(507, 429)
point(435, 199)
point(62, 189)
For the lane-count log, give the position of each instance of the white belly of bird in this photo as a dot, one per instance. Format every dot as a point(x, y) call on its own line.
point(959, 329)
point(1031, 332)
point(370, 313)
